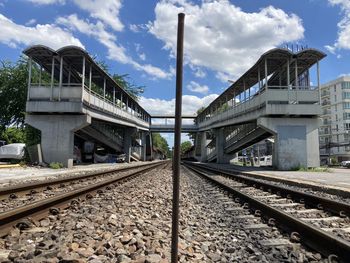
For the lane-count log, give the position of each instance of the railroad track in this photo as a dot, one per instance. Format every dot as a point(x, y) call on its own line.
point(18, 216)
point(317, 222)
point(22, 194)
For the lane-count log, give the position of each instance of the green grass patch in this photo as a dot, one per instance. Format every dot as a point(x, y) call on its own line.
point(312, 169)
point(54, 165)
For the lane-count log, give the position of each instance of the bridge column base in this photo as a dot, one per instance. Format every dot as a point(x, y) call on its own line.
point(57, 135)
point(204, 143)
point(144, 146)
point(221, 158)
point(296, 141)
point(128, 132)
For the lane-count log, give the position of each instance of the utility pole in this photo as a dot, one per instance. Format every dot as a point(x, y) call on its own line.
point(176, 160)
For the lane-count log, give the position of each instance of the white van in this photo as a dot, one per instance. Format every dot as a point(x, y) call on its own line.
point(265, 160)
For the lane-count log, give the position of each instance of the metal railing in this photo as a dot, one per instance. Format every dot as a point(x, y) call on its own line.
point(279, 95)
point(73, 92)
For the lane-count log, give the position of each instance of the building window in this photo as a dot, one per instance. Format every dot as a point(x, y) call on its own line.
point(347, 126)
point(346, 115)
point(335, 88)
point(346, 95)
point(346, 105)
point(345, 85)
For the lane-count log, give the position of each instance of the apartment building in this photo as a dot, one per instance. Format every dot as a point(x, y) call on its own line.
point(335, 127)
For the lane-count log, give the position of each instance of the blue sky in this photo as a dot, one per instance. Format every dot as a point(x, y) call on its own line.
point(222, 38)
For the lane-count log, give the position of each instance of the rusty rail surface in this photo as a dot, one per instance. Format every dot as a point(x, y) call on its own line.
point(313, 237)
point(42, 184)
point(39, 209)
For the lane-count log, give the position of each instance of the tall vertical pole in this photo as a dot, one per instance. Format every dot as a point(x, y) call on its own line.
point(104, 92)
point(177, 142)
point(288, 74)
point(83, 80)
point(52, 76)
point(29, 77)
point(259, 80)
point(90, 82)
point(114, 96)
point(266, 73)
point(296, 75)
point(69, 75)
point(61, 79)
point(318, 80)
point(83, 74)
point(127, 105)
point(40, 73)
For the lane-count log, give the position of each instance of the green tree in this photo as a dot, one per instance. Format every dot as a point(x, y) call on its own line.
point(13, 93)
point(192, 135)
point(13, 135)
point(160, 143)
point(185, 146)
point(124, 81)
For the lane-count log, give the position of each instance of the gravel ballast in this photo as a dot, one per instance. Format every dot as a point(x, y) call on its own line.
point(131, 222)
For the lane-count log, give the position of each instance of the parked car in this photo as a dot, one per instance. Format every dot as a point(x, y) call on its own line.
point(345, 164)
point(12, 151)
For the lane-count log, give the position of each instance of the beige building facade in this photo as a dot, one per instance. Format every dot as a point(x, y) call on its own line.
point(335, 126)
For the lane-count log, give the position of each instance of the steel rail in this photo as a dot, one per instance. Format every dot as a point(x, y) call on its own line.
point(317, 239)
point(335, 207)
point(14, 216)
point(6, 191)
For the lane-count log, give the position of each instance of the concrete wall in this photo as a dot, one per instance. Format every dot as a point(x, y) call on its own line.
point(296, 141)
point(222, 157)
point(57, 135)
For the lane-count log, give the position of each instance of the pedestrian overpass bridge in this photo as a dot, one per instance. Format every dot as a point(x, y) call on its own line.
point(73, 96)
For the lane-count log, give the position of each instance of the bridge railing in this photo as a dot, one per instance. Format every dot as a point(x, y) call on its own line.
point(55, 93)
point(74, 93)
point(102, 103)
point(273, 95)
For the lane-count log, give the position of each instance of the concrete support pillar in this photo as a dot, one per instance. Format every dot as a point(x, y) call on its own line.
point(296, 141)
point(197, 146)
point(149, 145)
point(204, 147)
point(220, 147)
point(57, 135)
point(128, 132)
point(144, 146)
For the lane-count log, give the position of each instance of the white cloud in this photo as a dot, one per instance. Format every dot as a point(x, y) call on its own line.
point(31, 22)
point(195, 87)
point(140, 54)
point(47, 2)
point(190, 104)
point(104, 10)
point(53, 36)
point(115, 52)
point(343, 40)
point(212, 29)
point(134, 28)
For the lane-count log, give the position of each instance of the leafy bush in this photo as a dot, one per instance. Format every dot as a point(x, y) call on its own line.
point(55, 165)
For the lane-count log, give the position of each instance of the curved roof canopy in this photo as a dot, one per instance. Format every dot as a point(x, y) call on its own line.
point(277, 60)
point(72, 57)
